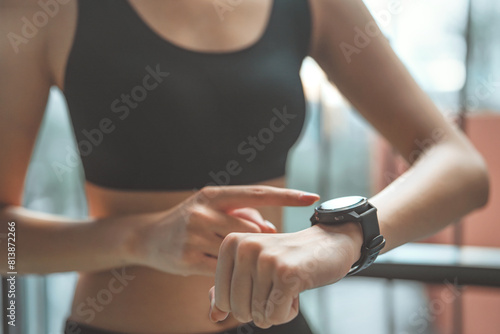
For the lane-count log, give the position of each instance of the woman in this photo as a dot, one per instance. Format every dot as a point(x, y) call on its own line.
point(167, 97)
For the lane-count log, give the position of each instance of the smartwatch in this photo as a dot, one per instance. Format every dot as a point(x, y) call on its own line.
point(354, 209)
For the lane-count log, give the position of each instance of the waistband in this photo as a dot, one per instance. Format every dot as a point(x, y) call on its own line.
point(297, 326)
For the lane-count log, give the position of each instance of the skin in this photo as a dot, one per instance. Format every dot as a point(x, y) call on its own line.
point(163, 238)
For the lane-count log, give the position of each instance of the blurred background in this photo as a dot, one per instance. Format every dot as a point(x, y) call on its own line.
point(452, 48)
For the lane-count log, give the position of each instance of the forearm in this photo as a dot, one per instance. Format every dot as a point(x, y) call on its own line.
point(48, 243)
point(446, 183)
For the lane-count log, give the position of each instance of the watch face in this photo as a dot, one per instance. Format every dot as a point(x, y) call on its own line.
point(342, 203)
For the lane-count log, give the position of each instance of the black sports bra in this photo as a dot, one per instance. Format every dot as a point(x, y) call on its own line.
point(150, 115)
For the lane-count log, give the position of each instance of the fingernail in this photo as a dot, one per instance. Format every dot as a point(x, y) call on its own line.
point(212, 307)
point(271, 225)
point(309, 195)
point(212, 303)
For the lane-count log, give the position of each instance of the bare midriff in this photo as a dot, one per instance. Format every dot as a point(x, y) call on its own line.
point(139, 299)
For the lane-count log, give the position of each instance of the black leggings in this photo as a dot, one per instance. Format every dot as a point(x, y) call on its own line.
point(296, 326)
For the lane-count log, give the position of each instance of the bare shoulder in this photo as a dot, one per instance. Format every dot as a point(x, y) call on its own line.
point(38, 32)
point(335, 22)
point(319, 10)
point(61, 33)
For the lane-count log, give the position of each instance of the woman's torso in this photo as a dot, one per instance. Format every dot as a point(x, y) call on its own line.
point(145, 300)
point(140, 299)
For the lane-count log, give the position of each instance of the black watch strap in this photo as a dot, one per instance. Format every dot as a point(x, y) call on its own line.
point(369, 252)
point(369, 224)
point(373, 242)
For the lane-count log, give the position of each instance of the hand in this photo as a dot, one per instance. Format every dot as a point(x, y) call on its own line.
point(259, 276)
point(185, 240)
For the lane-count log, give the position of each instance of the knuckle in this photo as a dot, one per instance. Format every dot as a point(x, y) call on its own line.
point(240, 312)
point(199, 213)
point(258, 191)
point(285, 270)
point(241, 317)
point(209, 192)
point(260, 320)
point(230, 242)
point(249, 246)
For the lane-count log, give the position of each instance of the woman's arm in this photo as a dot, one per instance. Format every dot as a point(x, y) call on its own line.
point(49, 243)
point(448, 177)
point(44, 243)
point(183, 240)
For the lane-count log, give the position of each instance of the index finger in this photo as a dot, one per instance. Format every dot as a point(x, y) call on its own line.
point(234, 197)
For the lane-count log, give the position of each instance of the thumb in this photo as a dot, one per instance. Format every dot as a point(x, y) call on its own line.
point(215, 315)
point(254, 216)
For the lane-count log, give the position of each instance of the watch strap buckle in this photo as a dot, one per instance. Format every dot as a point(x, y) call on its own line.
point(369, 253)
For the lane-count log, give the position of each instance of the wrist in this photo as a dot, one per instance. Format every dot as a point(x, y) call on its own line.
point(351, 234)
point(131, 242)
